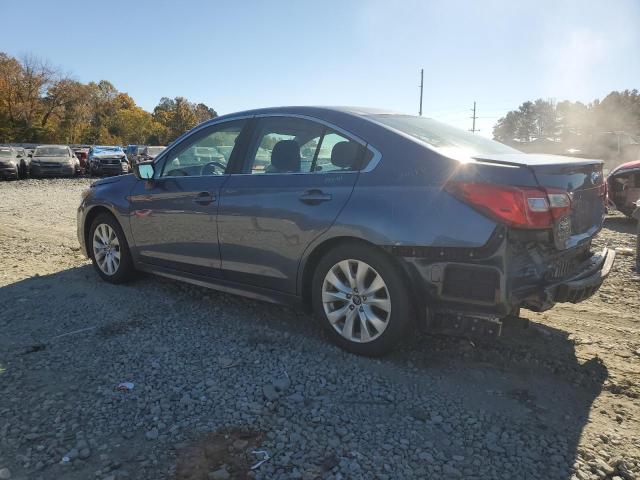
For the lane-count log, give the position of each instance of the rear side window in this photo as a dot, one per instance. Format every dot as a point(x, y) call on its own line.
point(295, 145)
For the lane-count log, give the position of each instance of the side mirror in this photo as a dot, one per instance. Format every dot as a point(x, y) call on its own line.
point(144, 170)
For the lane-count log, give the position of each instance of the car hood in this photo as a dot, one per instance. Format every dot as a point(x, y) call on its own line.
point(129, 178)
point(52, 159)
point(108, 155)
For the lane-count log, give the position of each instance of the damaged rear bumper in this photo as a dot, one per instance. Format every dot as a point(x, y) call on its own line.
point(496, 282)
point(578, 288)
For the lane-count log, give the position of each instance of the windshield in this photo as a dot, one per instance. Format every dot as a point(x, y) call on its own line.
point(51, 152)
point(154, 150)
point(442, 137)
point(99, 150)
point(5, 152)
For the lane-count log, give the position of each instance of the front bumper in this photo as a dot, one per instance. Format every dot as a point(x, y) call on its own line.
point(59, 170)
point(109, 170)
point(8, 172)
point(80, 216)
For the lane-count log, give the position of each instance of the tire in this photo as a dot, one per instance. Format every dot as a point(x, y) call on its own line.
point(379, 319)
point(111, 271)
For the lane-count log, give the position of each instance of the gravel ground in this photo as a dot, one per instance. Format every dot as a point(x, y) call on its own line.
point(218, 377)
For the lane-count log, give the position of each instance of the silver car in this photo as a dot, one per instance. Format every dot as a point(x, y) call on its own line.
point(54, 161)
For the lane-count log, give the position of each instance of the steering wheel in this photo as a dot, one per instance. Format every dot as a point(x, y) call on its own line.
point(211, 167)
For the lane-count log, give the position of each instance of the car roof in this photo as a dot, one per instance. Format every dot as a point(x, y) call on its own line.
point(627, 166)
point(319, 111)
point(60, 146)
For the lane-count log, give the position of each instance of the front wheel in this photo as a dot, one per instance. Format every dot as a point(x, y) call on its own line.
point(109, 250)
point(361, 297)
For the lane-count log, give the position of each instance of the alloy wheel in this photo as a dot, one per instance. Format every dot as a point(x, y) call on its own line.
point(106, 249)
point(356, 301)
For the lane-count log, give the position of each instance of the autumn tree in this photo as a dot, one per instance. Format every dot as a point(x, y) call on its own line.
point(40, 104)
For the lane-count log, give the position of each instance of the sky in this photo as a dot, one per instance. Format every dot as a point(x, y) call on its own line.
point(237, 55)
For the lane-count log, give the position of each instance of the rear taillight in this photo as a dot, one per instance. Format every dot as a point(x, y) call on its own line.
point(520, 207)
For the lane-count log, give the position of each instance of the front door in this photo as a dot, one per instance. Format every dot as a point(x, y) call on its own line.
point(297, 176)
point(173, 217)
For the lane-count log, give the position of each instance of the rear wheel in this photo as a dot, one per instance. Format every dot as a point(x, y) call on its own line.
point(360, 296)
point(109, 250)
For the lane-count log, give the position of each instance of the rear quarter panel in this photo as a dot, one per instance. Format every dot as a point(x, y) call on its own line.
point(402, 202)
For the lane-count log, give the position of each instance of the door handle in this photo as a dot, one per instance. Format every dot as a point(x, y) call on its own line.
point(314, 197)
point(204, 198)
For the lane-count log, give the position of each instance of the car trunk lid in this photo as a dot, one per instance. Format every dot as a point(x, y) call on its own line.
point(581, 179)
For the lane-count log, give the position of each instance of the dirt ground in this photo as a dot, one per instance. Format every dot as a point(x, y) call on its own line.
point(574, 371)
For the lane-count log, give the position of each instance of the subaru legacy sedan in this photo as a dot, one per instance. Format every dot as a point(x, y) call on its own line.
point(374, 221)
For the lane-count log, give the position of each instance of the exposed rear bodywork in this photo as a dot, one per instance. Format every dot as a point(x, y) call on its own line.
point(532, 264)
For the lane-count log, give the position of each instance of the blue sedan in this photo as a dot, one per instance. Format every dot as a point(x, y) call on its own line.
point(374, 221)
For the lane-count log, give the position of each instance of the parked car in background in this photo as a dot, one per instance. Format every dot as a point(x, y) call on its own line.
point(9, 162)
point(624, 187)
point(133, 153)
point(82, 152)
point(25, 162)
point(392, 218)
point(150, 153)
point(54, 161)
point(107, 160)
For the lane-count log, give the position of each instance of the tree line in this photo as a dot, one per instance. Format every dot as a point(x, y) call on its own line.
point(41, 104)
point(569, 122)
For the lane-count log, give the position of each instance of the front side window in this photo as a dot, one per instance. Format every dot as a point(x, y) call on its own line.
point(294, 145)
point(206, 155)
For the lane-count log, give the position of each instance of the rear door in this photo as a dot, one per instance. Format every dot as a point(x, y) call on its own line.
point(297, 176)
point(173, 218)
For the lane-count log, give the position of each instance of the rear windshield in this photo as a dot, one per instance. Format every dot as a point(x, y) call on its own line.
point(443, 137)
point(51, 152)
point(5, 152)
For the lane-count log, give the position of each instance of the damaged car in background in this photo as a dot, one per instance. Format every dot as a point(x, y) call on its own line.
point(107, 160)
point(374, 221)
point(624, 187)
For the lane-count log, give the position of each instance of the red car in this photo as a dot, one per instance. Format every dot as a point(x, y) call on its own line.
point(624, 186)
point(81, 153)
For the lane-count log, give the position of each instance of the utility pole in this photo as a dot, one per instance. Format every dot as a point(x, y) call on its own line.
point(473, 128)
point(421, 87)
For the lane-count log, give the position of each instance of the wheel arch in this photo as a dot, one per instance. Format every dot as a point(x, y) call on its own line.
point(312, 260)
point(91, 215)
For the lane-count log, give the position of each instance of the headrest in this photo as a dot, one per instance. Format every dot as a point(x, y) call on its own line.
point(345, 154)
point(285, 156)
